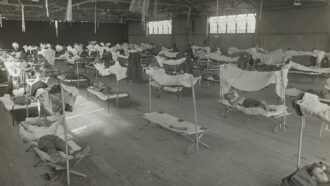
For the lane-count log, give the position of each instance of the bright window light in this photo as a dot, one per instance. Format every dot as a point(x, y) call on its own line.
point(251, 23)
point(241, 23)
point(160, 27)
point(231, 24)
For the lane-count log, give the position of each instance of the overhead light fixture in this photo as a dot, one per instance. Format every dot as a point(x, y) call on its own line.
point(297, 3)
point(36, 1)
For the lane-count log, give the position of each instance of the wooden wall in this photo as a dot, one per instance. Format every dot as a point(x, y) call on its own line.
point(42, 31)
point(300, 29)
point(193, 32)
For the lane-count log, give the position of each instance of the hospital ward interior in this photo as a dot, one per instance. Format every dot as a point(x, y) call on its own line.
point(164, 92)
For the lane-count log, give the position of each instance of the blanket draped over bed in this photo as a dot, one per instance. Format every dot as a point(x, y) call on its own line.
point(200, 52)
point(223, 58)
point(168, 53)
point(116, 55)
point(279, 56)
point(232, 76)
point(308, 69)
point(270, 58)
point(160, 76)
point(13, 68)
point(274, 110)
point(310, 105)
point(49, 55)
point(161, 61)
point(116, 69)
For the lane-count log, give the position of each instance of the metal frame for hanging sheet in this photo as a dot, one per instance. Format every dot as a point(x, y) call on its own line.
point(198, 135)
point(117, 90)
point(283, 124)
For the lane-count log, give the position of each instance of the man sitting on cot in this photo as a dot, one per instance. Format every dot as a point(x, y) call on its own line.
point(234, 99)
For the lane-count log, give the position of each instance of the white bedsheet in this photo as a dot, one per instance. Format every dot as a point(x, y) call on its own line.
point(223, 58)
point(161, 61)
point(117, 69)
point(104, 96)
point(232, 76)
point(173, 123)
point(308, 69)
point(310, 105)
point(160, 76)
point(168, 53)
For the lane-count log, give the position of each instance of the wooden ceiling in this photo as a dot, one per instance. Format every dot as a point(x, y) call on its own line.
point(118, 10)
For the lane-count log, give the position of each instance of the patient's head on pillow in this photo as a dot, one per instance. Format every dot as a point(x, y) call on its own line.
point(319, 175)
point(15, 45)
point(231, 96)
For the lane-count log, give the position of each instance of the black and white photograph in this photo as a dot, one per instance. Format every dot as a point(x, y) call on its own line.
point(164, 92)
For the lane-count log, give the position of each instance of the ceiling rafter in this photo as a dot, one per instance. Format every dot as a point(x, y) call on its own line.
point(193, 6)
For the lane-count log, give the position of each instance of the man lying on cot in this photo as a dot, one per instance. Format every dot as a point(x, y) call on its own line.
point(310, 175)
point(234, 99)
point(43, 131)
point(55, 148)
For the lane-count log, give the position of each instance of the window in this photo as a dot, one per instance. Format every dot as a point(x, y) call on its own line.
point(160, 27)
point(213, 25)
point(231, 24)
point(242, 23)
point(217, 24)
point(251, 23)
point(151, 28)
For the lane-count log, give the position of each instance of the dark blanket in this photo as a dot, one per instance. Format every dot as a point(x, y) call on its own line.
point(36, 86)
point(299, 178)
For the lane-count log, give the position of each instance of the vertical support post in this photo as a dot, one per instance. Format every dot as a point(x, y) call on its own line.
point(65, 139)
point(117, 91)
point(302, 126)
point(149, 93)
point(39, 108)
point(284, 100)
point(220, 91)
point(27, 106)
point(195, 113)
point(78, 72)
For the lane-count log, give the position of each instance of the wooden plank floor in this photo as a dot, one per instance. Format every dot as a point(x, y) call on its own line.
point(241, 153)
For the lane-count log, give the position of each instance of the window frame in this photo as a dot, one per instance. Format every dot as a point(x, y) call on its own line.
point(233, 25)
point(163, 27)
